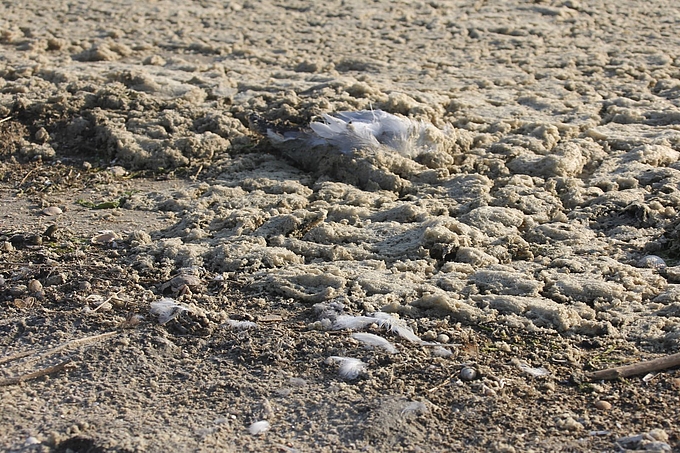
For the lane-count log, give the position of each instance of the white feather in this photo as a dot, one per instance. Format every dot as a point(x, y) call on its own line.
point(397, 326)
point(353, 322)
point(349, 368)
point(240, 325)
point(375, 341)
point(348, 131)
point(259, 427)
point(167, 309)
point(383, 320)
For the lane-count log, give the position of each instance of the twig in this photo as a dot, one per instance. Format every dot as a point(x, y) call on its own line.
point(26, 177)
point(637, 368)
point(35, 374)
point(17, 356)
point(5, 119)
point(441, 384)
point(69, 344)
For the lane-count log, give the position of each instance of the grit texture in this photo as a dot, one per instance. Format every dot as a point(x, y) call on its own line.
point(173, 278)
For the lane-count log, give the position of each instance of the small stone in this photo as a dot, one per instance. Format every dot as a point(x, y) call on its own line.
point(468, 373)
point(652, 262)
point(34, 286)
point(41, 135)
point(603, 405)
point(51, 211)
point(570, 424)
point(430, 335)
point(443, 338)
point(50, 231)
point(659, 434)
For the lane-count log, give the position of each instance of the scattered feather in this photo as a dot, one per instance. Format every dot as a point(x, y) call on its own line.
point(353, 322)
point(240, 325)
point(384, 320)
point(259, 427)
point(397, 326)
point(375, 341)
point(439, 351)
point(167, 309)
point(349, 368)
point(535, 372)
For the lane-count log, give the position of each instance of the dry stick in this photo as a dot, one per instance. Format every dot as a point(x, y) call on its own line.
point(72, 343)
point(5, 119)
point(637, 368)
point(17, 356)
point(35, 374)
point(26, 177)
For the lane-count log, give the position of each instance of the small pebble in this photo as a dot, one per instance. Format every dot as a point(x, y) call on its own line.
point(443, 338)
point(52, 211)
point(468, 373)
point(659, 434)
point(41, 135)
point(603, 405)
point(652, 262)
point(430, 335)
point(34, 286)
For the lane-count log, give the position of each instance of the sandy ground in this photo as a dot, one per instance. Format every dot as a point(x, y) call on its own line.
point(534, 240)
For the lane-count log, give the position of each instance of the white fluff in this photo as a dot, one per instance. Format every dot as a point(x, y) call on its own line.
point(240, 325)
point(353, 322)
point(167, 309)
point(348, 131)
point(259, 427)
point(383, 320)
point(397, 326)
point(375, 341)
point(349, 368)
point(535, 372)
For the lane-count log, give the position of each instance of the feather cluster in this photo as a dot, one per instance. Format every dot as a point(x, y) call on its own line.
point(167, 309)
point(348, 131)
point(384, 320)
point(349, 368)
point(375, 341)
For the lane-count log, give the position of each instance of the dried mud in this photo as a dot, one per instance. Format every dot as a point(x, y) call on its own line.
point(536, 242)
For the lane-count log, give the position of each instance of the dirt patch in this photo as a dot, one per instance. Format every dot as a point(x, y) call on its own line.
point(173, 279)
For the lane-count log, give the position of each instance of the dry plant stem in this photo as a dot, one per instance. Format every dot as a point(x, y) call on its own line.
point(17, 356)
point(5, 119)
point(26, 176)
point(636, 368)
point(35, 374)
point(72, 343)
